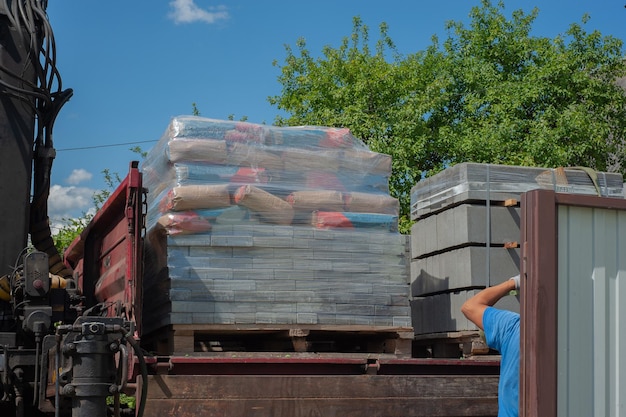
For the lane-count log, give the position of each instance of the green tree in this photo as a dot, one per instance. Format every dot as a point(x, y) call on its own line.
point(371, 92)
point(71, 228)
point(491, 92)
point(517, 99)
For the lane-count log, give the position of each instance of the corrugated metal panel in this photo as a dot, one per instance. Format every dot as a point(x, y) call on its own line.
point(591, 263)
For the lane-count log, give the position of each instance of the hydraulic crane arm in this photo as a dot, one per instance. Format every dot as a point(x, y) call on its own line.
point(31, 96)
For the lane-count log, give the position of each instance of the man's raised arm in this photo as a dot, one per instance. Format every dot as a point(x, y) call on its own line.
point(474, 308)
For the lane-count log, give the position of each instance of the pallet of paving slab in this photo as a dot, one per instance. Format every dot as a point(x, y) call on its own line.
point(423, 210)
point(457, 344)
point(466, 225)
point(184, 338)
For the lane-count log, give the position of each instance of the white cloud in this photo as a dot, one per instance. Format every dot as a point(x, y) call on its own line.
point(186, 11)
point(69, 202)
point(77, 176)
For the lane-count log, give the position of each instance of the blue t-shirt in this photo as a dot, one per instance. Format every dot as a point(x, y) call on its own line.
point(502, 334)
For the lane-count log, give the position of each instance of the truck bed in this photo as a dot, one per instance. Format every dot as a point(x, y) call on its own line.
point(107, 259)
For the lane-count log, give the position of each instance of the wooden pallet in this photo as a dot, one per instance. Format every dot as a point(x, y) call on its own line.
point(183, 338)
point(450, 344)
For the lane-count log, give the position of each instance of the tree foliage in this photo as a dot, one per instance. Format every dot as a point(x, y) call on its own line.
point(490, 92)
point(72, 227)
point(527, 100)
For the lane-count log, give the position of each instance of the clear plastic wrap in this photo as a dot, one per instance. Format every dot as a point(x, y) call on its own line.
point(203, 163)
point(473, 181)
point(332, 219)
point(235, 131)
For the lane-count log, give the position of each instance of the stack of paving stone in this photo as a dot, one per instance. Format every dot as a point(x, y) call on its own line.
point(467, 233)
point(255, 224)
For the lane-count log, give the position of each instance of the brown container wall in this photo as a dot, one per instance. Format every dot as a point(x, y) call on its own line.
point(572, 254)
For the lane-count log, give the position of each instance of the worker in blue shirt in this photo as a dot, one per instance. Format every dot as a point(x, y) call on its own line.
point(501, 329)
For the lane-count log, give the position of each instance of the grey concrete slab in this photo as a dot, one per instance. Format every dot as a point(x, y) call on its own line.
point(442, 312)
point(463, 268)
point(465, 225)
point(307, 318)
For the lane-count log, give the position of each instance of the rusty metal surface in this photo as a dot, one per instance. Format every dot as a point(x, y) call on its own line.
point(320, 364)
point(328, 396)
point(106, 257)
point(307, 384)
point(538, 304)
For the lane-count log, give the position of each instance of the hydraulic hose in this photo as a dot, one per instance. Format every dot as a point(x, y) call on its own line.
point(143, 368)
point(31, 24)
point(57, 384)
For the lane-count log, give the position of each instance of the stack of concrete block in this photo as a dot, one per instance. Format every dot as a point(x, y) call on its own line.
point(320, 245)
point(439, 313)
point(467, 232)
point(242, 274)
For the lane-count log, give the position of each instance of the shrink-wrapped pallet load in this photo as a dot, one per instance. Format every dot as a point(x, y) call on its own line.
point(256, 224)
point(466, 234)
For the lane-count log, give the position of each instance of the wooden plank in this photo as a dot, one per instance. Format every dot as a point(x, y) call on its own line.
point(451, 344)
point(184, 339)
point(338, 395)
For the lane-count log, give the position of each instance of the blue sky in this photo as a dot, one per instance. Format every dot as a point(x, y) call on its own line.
point(133, 65)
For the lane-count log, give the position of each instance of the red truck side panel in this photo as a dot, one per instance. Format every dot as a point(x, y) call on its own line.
point(107, 256)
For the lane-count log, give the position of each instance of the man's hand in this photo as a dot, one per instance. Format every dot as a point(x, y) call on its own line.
point(516, 279)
